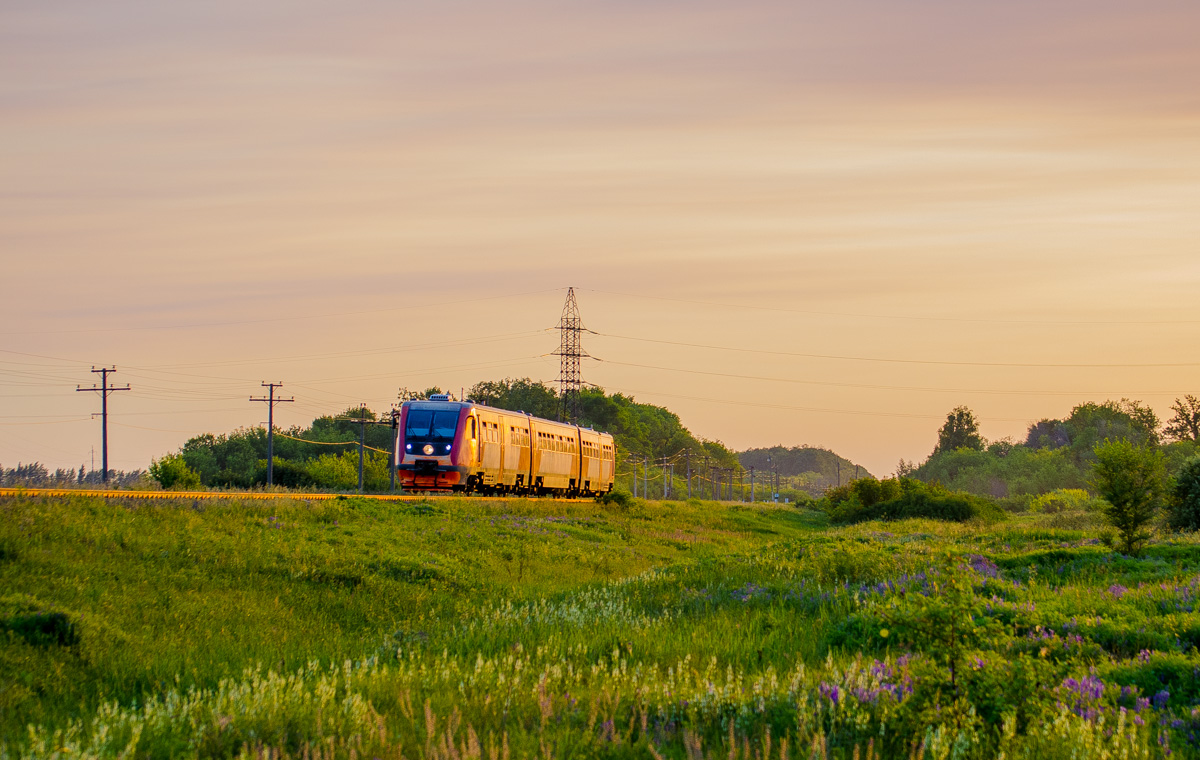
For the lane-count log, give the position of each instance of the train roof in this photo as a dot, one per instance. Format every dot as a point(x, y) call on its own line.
point(435, 402)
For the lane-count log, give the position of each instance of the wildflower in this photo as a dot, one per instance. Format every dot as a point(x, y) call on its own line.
point(983, 566)
point(1160, 699)
point(829, 691)
point(1117, 590)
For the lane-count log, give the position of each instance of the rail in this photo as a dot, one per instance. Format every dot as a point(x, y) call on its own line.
point(118, 494)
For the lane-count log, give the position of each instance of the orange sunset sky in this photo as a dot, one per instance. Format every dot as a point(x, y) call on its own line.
point(888, 209)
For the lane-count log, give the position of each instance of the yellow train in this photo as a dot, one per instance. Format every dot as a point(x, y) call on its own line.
point(444, 445)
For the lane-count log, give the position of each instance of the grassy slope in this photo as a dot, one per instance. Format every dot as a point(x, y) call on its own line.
point(544, 622)
point(198, 591)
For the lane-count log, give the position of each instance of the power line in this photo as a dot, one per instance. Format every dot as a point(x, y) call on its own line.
point(279, 319)
point(843, 357)
point(892, 317)
point(872, 386)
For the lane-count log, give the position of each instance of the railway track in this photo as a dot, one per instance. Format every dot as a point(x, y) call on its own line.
point(256, 495)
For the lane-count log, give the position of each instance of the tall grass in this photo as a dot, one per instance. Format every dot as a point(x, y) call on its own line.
point(463, 628)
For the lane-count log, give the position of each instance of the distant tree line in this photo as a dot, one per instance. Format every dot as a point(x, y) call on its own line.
point(803, 469)
point(37, 475)
point(1056, 453)
point(324, 454)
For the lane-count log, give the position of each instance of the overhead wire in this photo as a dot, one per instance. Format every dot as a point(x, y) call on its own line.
point(875, 386)
point(892, 317)
point(266, 320)
point(888, 360)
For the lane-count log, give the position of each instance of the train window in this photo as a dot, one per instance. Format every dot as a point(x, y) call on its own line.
point(444, 424)
point(418, 422)
point(473, 436)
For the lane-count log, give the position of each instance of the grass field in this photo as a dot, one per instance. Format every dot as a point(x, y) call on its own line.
point(519, 628)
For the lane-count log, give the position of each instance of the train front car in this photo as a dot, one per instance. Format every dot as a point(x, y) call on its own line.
point(432, 446)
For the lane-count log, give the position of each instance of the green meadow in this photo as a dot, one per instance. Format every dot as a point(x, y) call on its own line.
point(510, 628)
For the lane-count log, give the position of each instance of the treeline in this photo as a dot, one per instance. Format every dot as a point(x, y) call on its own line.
point(324, 455)
point(37, 475)
point(803, 469)
point(1056, 454)
point(321, 455)
point(640, 430)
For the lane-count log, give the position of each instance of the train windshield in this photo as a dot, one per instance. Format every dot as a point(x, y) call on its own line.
point(428, 423)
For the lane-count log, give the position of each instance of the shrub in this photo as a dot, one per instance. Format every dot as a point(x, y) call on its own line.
point(173, 473)
point(1066, 500)
point(616, 498)
point(1130, 478)
point(1184, 506)
point(43, 628)
point(901, 499)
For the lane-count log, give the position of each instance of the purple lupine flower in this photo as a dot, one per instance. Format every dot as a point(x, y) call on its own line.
point(829, 691)
point(1160, 699)
point(1144, 655)
point(1117, 590)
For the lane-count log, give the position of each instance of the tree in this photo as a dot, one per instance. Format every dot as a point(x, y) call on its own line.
point(1091, 423)
point(961, 431)
point(1185, 425)
point(519, 395)
point(173, 474)
point(1047, 434)
point(1185, 497)
point(1131, 480)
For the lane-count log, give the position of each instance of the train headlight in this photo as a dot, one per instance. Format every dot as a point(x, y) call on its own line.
point(408, 447)
point(428, 449)
point(447, 448)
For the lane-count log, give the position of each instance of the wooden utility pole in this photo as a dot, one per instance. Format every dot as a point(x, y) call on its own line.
point(103, 390)
point(271, 401)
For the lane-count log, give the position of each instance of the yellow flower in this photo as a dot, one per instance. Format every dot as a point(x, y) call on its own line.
point(883, 632)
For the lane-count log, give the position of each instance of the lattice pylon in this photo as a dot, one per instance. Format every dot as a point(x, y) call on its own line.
point(571, 354)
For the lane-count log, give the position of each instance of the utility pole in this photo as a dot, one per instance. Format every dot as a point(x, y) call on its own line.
point(395, 454)
point(752, 484)
point(271, 401)
point(646, 476)
point(103, 390)
point(666, 481)
point(687, 463)
point(706, 474)
point(362, 421)
point(633, 464)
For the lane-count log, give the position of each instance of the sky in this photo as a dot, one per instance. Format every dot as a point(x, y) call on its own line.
point(792, 223)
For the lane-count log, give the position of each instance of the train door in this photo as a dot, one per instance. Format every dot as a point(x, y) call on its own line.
point(473, 437)
point(489, 446)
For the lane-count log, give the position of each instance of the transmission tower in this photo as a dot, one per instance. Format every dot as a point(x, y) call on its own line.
point(572, 355)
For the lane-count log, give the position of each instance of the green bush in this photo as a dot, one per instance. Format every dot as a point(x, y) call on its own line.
point(1184, 506)
point(617, 497)
point(173, 473)
point(901, 499)
point(340, 471)
point(43, 628)
point(1066, 500)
